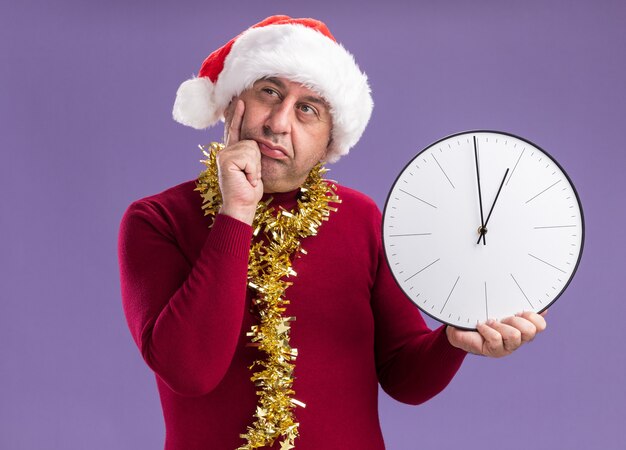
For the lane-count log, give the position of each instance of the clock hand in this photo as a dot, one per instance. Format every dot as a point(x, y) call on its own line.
point(480, 197)
point(494, 204)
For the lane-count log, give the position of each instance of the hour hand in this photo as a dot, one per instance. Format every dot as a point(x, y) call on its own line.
point(483, 228)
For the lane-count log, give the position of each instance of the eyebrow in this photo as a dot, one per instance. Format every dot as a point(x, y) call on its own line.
point(308, 98)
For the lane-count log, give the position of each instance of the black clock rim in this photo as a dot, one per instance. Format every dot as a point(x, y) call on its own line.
point(475, 131)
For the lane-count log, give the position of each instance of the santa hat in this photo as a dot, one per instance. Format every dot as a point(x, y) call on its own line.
point(301, 50)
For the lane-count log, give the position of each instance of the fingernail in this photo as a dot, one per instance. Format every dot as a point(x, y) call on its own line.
point(491, 322)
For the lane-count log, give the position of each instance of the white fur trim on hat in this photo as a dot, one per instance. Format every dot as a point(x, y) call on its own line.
point(194, 105)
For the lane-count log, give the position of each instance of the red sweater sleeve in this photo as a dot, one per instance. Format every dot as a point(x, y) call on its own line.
point(413, 363)
point(185, 316)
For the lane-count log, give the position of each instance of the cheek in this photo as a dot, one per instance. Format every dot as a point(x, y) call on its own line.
point(320, 141)
point(251, 129)
point(253, 118)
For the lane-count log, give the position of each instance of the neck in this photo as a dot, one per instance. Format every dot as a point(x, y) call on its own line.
point(287, 199)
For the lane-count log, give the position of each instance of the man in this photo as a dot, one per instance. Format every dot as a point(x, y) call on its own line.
point(212, 300)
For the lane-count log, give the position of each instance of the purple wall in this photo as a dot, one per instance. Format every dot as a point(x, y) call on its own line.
point(86, 94)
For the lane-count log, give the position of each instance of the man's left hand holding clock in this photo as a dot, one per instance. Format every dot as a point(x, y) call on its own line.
point(498, 338)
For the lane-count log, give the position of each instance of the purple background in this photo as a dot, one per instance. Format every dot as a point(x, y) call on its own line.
point(87, 91)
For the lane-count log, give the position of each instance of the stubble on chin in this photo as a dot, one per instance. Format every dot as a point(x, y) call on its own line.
point(273, 171)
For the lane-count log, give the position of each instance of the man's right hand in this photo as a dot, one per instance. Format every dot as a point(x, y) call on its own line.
point(239, 171)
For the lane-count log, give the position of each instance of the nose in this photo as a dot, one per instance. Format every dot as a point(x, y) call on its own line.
point(280, 117)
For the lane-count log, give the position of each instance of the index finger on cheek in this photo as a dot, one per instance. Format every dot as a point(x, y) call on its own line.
point(234, 130)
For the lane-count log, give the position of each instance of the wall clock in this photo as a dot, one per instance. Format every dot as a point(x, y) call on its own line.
point(480, 225)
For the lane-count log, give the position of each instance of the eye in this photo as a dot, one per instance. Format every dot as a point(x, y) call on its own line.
point(307, 109)
point(269, 91)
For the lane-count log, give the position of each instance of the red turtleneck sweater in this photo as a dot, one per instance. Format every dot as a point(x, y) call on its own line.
point(187, 306)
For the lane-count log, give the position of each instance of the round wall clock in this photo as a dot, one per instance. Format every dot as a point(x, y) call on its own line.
point(482, 225)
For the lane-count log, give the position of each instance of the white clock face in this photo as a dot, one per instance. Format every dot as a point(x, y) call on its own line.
point(432, 225)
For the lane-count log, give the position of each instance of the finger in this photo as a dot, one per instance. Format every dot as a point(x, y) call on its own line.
point(493, 345)
point(234, 130)
point(245, 158)
point(251, 170)
point(536, 319)
point(253, 166)
point(527, 329)
point(511, 336)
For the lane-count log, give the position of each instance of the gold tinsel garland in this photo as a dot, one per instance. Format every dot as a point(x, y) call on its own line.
point(268, 264)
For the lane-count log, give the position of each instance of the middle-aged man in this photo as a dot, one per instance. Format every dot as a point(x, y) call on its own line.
point(216, 271)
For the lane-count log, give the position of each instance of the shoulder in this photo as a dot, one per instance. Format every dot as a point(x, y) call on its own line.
point(354, 233)
point(355, 199)
point(179, 196)
point(357, 211)
point(356, 202)
point(168, 205)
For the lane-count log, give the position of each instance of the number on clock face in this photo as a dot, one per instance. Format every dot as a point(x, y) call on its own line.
point(480, 225)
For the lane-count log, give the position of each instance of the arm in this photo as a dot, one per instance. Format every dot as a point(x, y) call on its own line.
point(413, 362)
point(185, 318)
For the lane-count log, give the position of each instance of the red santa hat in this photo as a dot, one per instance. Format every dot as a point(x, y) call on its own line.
point(301, 50)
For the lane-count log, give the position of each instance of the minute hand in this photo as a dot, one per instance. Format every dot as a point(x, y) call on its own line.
point(480, 197)
point(494, 203)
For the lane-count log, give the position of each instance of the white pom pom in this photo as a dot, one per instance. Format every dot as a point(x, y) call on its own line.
point(194, 104)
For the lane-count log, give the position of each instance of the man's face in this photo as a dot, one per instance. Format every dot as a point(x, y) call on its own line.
point(292, 126)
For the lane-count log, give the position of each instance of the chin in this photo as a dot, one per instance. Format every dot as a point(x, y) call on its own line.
point(273, 178)
point(272, 184)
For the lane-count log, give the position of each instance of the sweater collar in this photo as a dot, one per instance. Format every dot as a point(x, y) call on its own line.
point(287, 200)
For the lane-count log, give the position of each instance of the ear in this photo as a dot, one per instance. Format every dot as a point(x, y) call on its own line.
point(324, 157)
point(230, 109)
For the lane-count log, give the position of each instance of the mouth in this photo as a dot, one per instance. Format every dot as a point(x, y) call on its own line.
point(271, 151)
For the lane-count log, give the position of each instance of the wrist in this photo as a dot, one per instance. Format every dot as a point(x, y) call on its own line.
point(245, 215)
point(451, 340)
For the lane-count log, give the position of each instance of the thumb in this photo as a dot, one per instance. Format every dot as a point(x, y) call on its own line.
point(470, 341)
